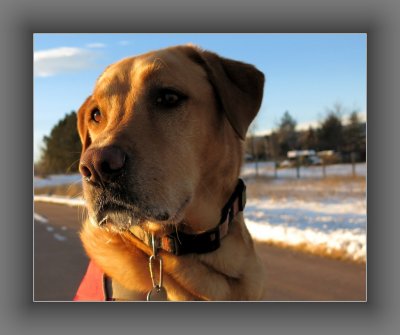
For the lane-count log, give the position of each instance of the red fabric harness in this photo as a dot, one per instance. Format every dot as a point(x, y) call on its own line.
point(92, 287)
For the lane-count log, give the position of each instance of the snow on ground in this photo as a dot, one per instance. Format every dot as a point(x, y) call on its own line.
point(329, 226)
point(40, 218)
point(54, 180)
point(332, 224)
point(57, 199)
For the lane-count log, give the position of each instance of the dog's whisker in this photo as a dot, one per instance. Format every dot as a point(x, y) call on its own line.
point(93, 221)
point(68, 169)
point(153, 160)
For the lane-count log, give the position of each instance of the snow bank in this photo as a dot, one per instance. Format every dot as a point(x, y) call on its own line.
point(334, 227)
point(54, 180)
point(56, 199)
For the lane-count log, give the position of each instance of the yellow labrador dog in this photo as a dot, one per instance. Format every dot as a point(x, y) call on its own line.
point(162, 138)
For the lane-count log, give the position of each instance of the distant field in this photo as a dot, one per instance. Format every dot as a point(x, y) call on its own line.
point(267, 169)
point(335, 174)
point(306, 188)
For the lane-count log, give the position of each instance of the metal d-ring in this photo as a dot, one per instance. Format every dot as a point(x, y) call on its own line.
point(153, 245)
point(154, 257)
point(151, 259)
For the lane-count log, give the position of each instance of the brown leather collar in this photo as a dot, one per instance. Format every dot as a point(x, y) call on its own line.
point(180, 243)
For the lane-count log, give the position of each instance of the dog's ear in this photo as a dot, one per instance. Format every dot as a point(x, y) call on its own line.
point(239, 88)
point(82, 123)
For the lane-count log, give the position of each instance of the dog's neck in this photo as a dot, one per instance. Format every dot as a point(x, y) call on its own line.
point(181, 243)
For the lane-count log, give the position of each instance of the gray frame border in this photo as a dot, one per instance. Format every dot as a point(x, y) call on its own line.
point(20, 19)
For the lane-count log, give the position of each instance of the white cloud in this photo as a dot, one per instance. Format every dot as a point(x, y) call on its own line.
point(62, 60)
point(96, 45)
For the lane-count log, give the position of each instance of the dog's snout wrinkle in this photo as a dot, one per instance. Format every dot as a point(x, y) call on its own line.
point(173, 171)
point(101, 165)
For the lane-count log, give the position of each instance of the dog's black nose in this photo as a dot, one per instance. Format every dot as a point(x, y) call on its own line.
point(101, 165)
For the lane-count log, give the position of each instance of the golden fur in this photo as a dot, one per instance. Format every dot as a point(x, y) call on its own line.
point(184, 162)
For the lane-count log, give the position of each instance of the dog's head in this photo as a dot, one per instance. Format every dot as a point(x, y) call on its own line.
point(162, 138)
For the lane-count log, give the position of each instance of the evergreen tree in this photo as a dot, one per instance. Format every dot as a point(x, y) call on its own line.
point(308, 139)
point(330, 134)
point(354, 136)
point(273, 145)
point(287, 136)
point(62, 148)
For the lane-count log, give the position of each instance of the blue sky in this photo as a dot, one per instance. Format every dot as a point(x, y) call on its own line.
point(305, 73)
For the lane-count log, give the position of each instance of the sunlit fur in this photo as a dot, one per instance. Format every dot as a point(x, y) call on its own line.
point(184, 162)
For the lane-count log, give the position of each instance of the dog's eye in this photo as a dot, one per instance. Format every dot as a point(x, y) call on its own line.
point(169, 98)
point(96, 115)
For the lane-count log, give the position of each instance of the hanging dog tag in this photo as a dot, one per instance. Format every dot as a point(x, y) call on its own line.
point(158, 293)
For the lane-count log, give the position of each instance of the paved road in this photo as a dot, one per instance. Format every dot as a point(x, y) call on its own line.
point(59, 259)
point(60, 263)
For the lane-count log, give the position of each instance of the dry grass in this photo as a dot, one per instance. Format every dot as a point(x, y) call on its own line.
point(306, 189)
point(320, 251)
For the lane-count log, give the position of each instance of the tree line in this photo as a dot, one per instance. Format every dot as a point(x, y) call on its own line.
point(347, 140)
point(61, 149)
